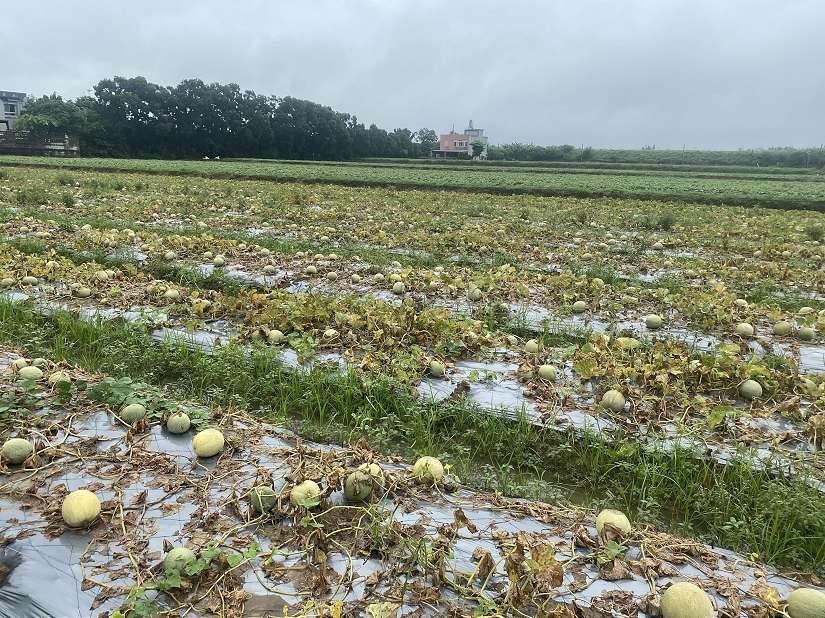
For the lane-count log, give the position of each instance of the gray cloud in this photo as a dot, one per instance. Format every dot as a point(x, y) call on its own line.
point(703, 73)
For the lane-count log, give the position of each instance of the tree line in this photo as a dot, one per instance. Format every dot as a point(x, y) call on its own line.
point(134, 117)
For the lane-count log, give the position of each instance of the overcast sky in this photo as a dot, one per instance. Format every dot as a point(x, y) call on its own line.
point(622, 73)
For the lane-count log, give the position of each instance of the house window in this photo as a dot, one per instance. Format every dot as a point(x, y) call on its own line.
point(10, 108)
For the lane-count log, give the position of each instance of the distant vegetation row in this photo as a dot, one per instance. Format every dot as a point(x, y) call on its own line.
point(794, 192)
point(132, 117)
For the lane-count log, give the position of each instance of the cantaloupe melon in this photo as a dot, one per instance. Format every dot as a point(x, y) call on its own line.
point(306, 494)
point(30, 373)
point(806, 603)
point(686, 600)
point(80, 508)
point(178, 422)
point(615, 518)
point(177, 558)
point(547, 372)
point(17, 450)
point(613, 400)
point(208, 443)
point(428, 470)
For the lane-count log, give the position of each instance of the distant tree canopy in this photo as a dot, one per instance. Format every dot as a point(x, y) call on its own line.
point(134, 117)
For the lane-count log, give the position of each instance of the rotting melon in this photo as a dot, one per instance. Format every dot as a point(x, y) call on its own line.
point(6, 282)
point(782, 328)
point(263, 498)
point(532, 346)
point(750, 390)
point(547, 372)
point(83, 292)
point(19, 363)
point(740, 302)
point(615, 518)
point(179, 422)
point(686, 600)
point(613, 400)
point(744, 329)
point(208, 443)
point(437, 369)
point(330, 333)
point(80, 508)
point(17, 450)
point(306, 494)
point(653, 321)
point(428, 470)
point(29, 280)
point(475, 294)
point(806, 603)
point(579, 306)
point(628, 343)
point(30, 373)
point(269, 269)
point(169, 255)
point(132, 413)
point(39, 362)
point(177, 558)
point(810, 387)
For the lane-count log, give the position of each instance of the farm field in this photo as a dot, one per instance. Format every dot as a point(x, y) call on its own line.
point(776, 191)
point(559, 355)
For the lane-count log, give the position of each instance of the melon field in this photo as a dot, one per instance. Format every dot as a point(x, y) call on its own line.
point(255, 388)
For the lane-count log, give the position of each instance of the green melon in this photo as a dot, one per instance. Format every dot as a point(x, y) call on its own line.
point(19, 363)
point(132, 413)
point(532, 346)
point(311, 270)
point(579, 306)
point(686, 600)
point(263, 498)
point(306, 494)
point(219, 261)
point(269, 269)
point(806, 333)
point(398, 288)
point(177, 558)
point(428, 470)
point(437, 369)
point(358, 486)
point(475, 294)
point(169, 255)
point(275, 336)
point(179, 422)
point(80, 508)
point(29, 280)
point(17, 450)
point(39, 362)
point(83, 292)
point(750, 390)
